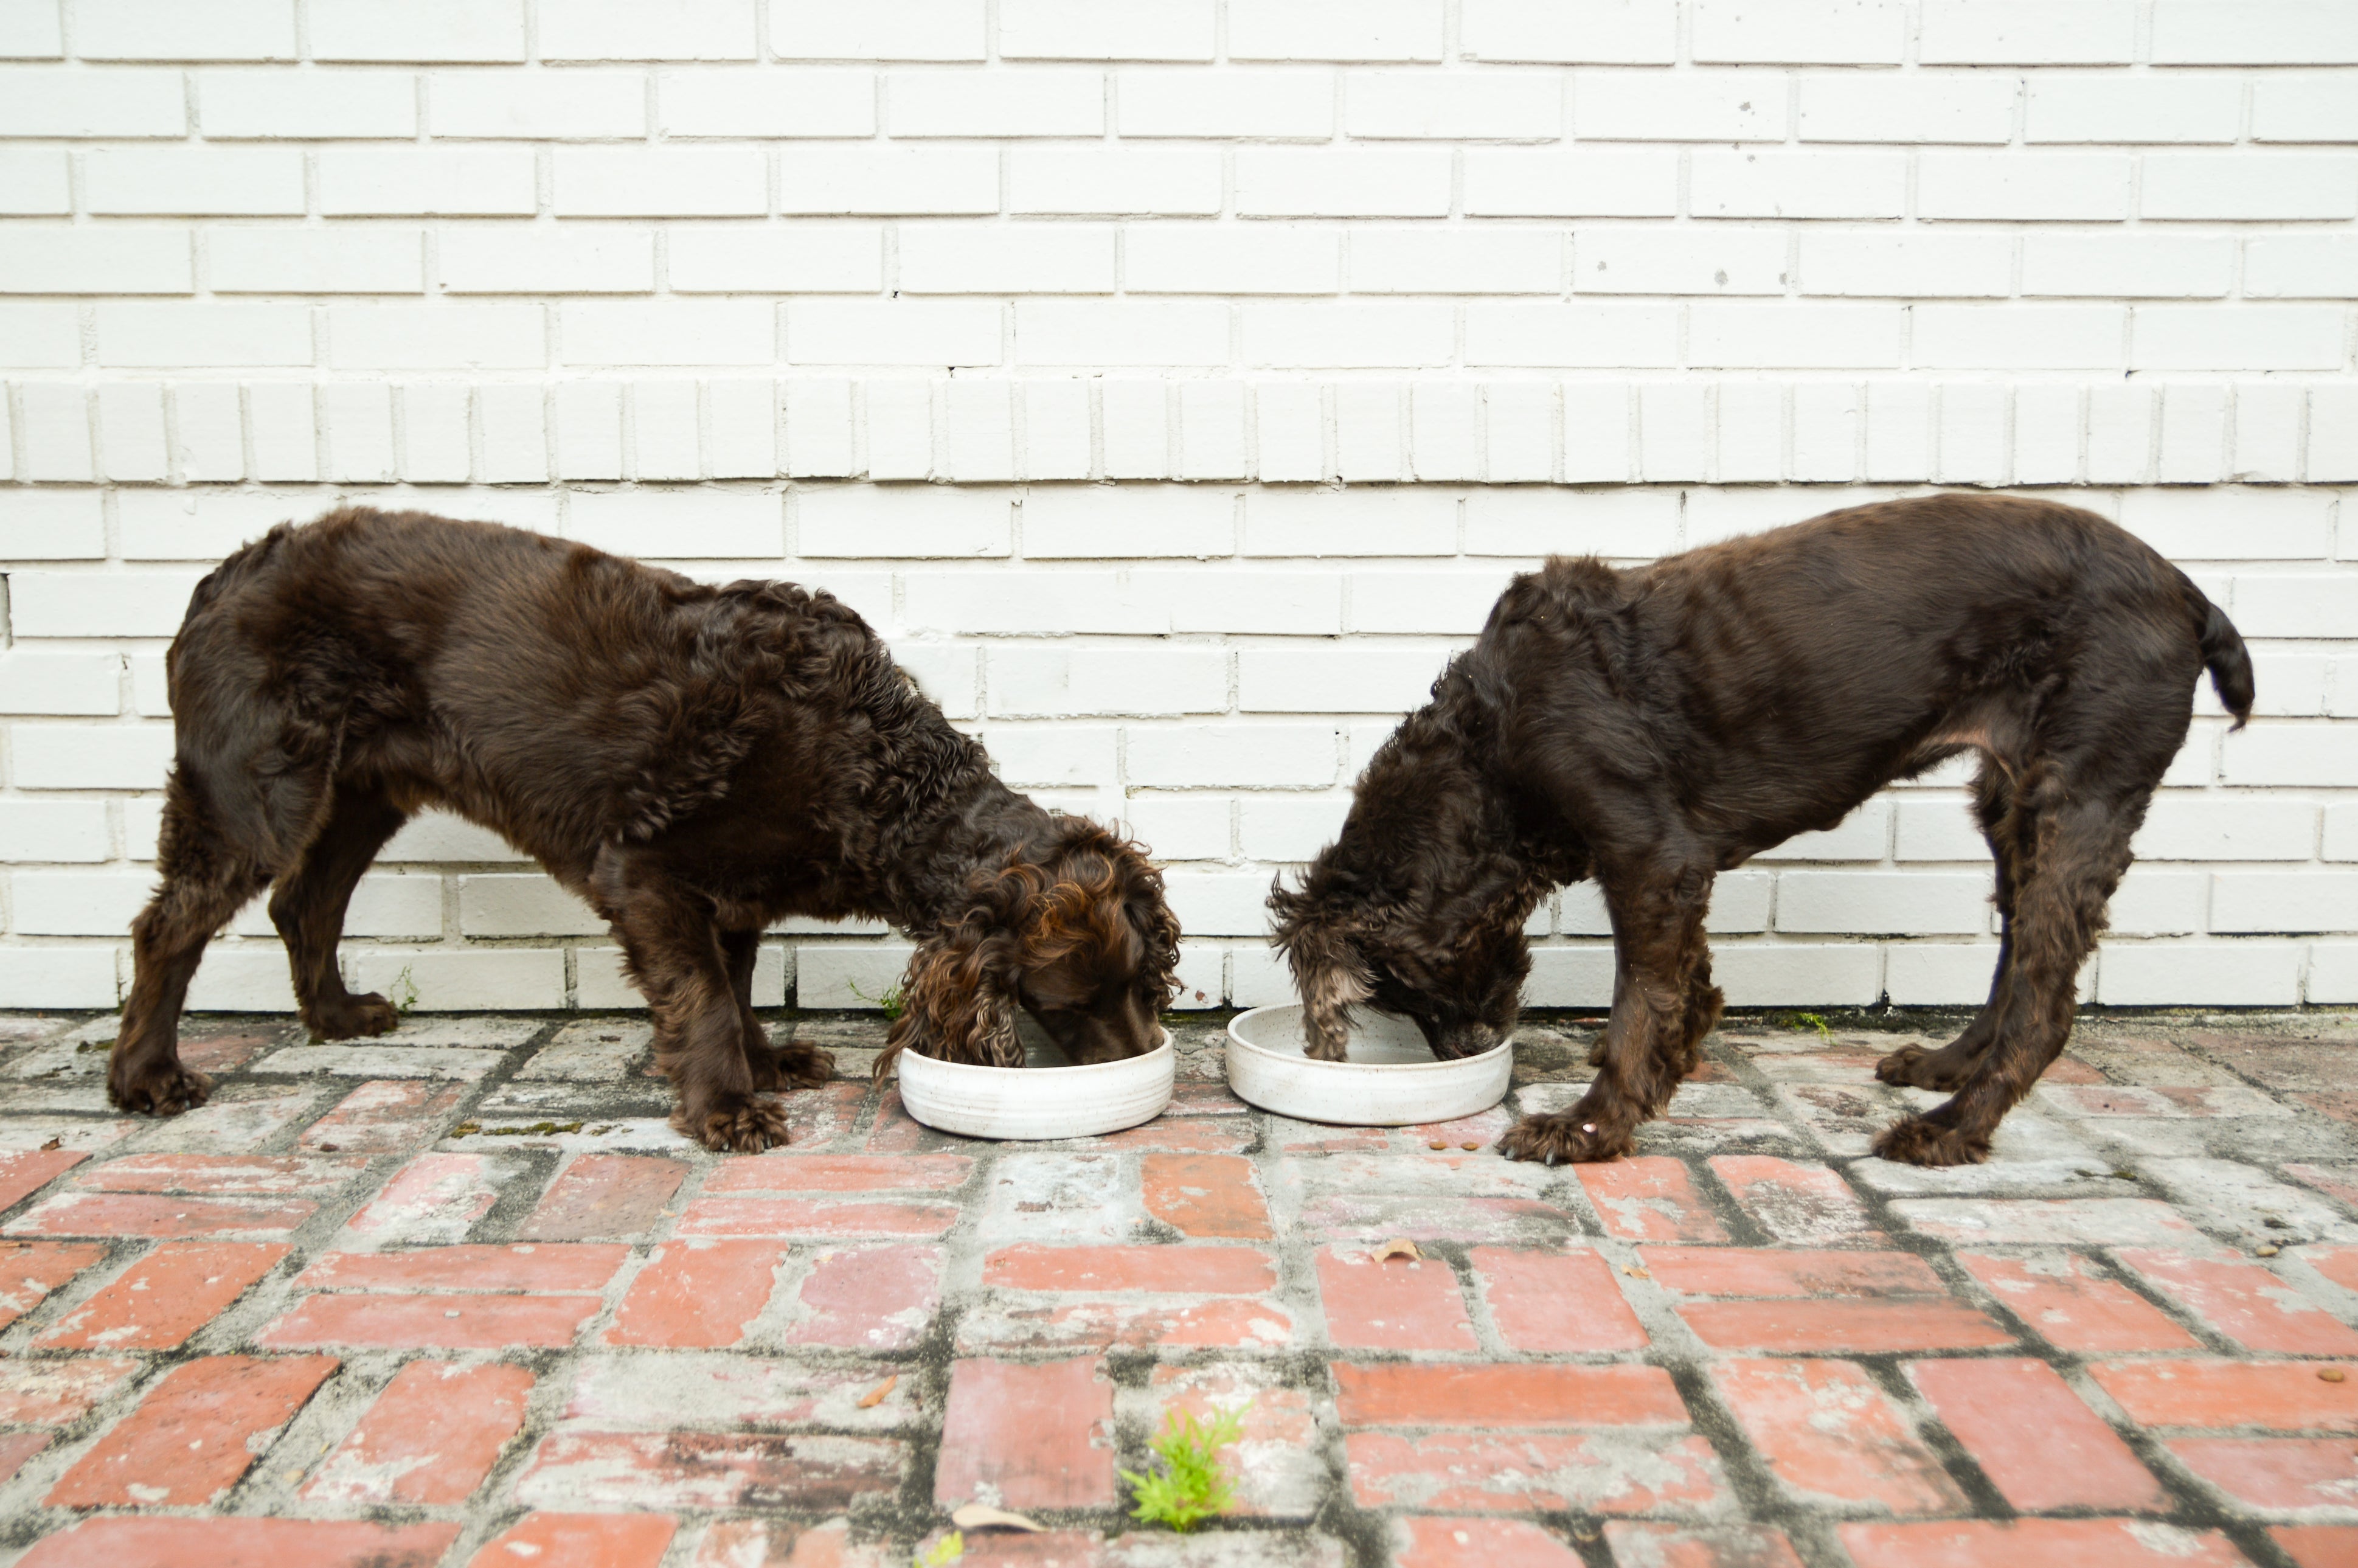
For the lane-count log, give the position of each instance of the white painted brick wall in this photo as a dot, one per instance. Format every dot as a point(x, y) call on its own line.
point(1176, 385)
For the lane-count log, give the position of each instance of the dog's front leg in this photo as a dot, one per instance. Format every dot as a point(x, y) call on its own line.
point(1663, 1003)
point(675, 953)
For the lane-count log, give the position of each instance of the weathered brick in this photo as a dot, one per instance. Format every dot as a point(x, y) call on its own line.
point(2220, 1396)
point(1699, 1546)
point(2245, 1301)
point(164, 1297)
point(194, 1434)
point(1833, 1439)
point(1204, 1194)
point(2317, 1545)
point(2023, 1543)
point(1474, 1543)
point(790, 1173)
point(589, 1541)
point(1649, 1198)
point(1799, 1205)
point(2033, 1437)
point(2272, 1475)
point(54, 1392)
point(1617, 1472)
point(123, 1542)
point(867, 1298)
point(698, 1294)
point(384, 1115)
point(709, 1470)
point(1395, 1304)
point(29, 1271)
point(431, 1437)
point(434, 1198)
point(430, 1322)
point(568, 1269)
point(153, 1215)
point(1040, 1434)
point(1509, 1395)
point(2071, 1304)
point(604, 1195)
point(728, 1215)
point(23, 1171)
point(1546, 1303)
point(1198, 1271)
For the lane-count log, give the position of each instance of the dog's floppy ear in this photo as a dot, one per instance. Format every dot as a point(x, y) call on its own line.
point(1329, 972)
point(1150, 916)
point(958, 1001)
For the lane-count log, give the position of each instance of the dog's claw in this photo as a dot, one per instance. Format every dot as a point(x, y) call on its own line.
point(1918, 1140)
point(1553, 1138)
point(353, 1018)
point(165, 1093)
point(736, 1124)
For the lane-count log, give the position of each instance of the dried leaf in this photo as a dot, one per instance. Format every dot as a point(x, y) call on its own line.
point(1636, 1272)
point(876, 1396)
point(982, 1515)
point(1397, 1247)
point(52, 1143)
point(2330, 1374)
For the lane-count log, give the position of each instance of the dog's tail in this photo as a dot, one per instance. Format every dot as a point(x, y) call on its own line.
point(2223, 653)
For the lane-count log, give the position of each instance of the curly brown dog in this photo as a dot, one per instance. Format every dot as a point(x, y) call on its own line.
point(1652, 728)
point(695, 762)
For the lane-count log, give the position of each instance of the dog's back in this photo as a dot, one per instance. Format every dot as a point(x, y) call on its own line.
point(561, 694)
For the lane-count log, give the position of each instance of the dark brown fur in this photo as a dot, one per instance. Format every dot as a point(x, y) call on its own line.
point(695, 762)
point(1652, 728)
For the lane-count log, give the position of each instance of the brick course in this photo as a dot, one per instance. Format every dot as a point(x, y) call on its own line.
point(716, 290)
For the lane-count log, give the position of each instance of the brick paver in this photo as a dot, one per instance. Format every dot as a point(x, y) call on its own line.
point(491, 1311)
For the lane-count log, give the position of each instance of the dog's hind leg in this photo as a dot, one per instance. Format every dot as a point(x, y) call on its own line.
point(793, 1065)
point(1942, 1071)
point(2079, 852)
point(207, 877)
point(308, 906)
point(1663, 1003)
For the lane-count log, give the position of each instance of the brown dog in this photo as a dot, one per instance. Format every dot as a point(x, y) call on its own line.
point(1652, 728)
point(695, 762)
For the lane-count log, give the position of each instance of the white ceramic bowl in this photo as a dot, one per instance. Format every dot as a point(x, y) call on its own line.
point(1391, 1077)
point(1043, 1099)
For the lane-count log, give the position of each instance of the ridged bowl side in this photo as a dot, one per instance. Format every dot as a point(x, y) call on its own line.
point(1392, 1078)
point(1031, 1103)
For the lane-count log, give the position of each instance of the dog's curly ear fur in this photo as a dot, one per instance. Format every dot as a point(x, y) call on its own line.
point(958, 1001)
point(1329, 972)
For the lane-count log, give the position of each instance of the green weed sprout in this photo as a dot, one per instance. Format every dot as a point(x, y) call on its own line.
point(889, 1003)
point(945, 1551)
point(404, 992)
point(1812, 1021)
point(1192, 1488)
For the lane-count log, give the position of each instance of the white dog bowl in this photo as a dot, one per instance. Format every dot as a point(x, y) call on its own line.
point(1391, 1077)
point(1042, 1099)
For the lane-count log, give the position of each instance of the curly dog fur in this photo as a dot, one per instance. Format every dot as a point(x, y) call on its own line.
point(1654, 727)
point(695, 762)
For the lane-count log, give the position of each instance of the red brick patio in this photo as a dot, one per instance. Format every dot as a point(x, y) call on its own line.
point(461, 1298)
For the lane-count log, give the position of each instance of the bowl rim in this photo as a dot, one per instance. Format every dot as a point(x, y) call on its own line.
point(1455, 1064)
point(1134, 1064)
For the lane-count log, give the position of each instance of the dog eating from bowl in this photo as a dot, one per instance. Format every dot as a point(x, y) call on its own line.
point(694, 761)
point(1654, 727)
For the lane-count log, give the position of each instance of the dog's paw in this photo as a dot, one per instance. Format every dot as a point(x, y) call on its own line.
point(167, 1091)
point(353, 1018)
point(736, 1124)
point(793, 1067)
point(1916, 1141)
point(1914, 1067)
point(1565, 1139)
